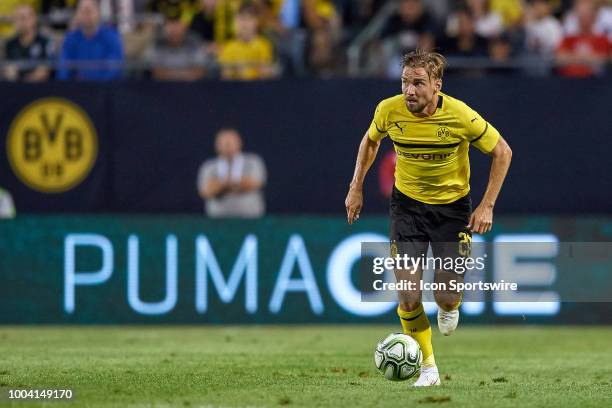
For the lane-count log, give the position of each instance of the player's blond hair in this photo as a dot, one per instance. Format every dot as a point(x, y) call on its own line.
point(433, 62)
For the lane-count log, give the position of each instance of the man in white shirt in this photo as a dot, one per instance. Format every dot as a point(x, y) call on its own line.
point(603, 18)
point(543, 31)
point(231, 184)
point(7, 207)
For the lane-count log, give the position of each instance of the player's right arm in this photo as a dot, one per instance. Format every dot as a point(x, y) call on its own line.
point(354, 199)
point(367, 153)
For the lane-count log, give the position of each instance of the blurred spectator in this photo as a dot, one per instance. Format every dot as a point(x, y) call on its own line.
point(489, 23)
point(356, 14)
point(119, 13)
point(495, 18)
point(137, 26)
point(115, 12)
point(561, 7)
point(500, 54)
point(500, 49)
point(7, 11)
point(28, 46)
point(510, 11)
point(441, 9)
point(324, 29)
point(141, 6)
point(268, 15)
point(543, 31)
point(231, 184)
point(603, 18)
point(58, 12)
point(91, 44)
point(462, 40)
point(289, 35)
point(181, 9)
point(289, 45)
point(178, 55)
point(203, 23)
point(7, 207)
point(249, 55)
point(585, 53)
point(225, 16)
point(411, 26)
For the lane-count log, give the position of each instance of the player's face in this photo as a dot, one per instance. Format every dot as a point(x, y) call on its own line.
point(418, 89)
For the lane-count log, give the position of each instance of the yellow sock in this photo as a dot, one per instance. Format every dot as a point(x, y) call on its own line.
point(416, 325)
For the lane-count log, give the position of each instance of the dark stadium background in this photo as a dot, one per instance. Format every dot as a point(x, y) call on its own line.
point(305, 122)
point(115, 285)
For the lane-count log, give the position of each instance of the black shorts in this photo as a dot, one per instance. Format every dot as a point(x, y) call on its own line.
point(414, 225)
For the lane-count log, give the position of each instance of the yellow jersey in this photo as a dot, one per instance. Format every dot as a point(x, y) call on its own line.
point(243, 60)
point(7, 11)
point(433, 164)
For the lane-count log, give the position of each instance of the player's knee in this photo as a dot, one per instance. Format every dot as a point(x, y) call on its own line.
point(409, 306)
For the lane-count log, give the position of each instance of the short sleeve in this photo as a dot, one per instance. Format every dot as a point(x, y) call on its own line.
point(227, 55)
point(378, 128)
point(480, 133)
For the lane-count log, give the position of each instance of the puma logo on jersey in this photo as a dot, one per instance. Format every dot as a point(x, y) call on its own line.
point(399, 127)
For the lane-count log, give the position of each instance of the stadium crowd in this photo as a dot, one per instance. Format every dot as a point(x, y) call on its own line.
point(186, 40)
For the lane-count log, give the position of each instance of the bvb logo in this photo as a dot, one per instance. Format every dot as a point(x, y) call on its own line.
point(443, 133)
point(52, 145)
point(465, 244)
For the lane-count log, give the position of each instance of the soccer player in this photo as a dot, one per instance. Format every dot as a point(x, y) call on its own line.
point(430, 202)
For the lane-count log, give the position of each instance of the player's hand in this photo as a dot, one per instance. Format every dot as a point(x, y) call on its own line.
point(481, 219)
point(353, 203)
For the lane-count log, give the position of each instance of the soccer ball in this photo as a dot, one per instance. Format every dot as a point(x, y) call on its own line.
point(398, 357)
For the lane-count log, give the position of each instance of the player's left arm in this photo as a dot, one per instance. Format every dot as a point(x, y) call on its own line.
point(482, 217)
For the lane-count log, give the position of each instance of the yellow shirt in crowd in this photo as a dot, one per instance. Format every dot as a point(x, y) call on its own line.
point(245, 60)
point(510, 11)
point(7, 9)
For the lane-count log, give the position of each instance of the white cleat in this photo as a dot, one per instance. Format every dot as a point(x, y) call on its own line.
point(429, 376)
point(447, 321)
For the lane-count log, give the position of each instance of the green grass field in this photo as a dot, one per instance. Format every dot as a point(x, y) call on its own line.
point(318, 366)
